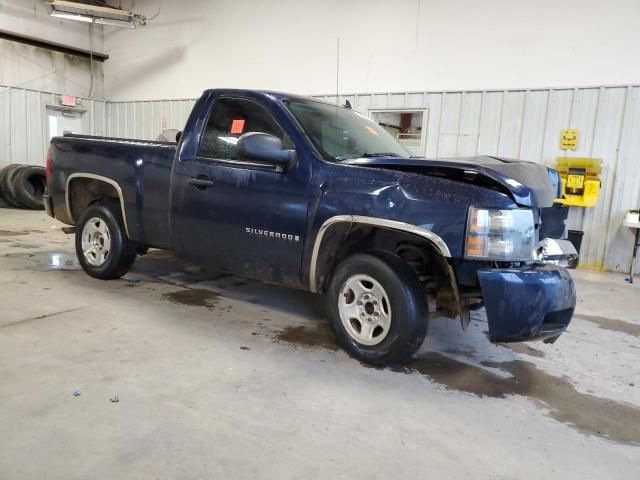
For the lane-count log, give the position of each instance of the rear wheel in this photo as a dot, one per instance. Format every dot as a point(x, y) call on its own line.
point(103, 249)
point(377, 308)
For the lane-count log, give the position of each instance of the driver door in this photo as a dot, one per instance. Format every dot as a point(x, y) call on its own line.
point(238, 215)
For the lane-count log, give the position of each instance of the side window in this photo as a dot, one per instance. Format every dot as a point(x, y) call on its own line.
point(228, 120)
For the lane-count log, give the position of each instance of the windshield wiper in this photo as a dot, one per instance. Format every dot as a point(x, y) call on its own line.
point(380, 154)
point(368, 155)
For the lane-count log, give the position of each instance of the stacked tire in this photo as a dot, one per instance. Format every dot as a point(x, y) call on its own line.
point(22, 186)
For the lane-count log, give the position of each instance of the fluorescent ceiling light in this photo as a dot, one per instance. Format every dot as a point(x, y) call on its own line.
point(93, 13)
point(114, 23)
point(69, 16)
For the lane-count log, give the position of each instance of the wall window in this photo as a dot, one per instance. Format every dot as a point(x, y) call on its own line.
point(229, 119)
point(406, 126)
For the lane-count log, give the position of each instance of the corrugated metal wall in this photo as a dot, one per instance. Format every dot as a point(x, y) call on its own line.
point(146, 120)
point(24, 129)
point(513, 123)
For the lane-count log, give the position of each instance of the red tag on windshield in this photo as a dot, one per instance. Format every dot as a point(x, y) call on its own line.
point(237, 126)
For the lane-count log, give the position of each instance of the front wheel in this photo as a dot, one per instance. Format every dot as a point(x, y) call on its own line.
point(103, 249)
point(377, 308)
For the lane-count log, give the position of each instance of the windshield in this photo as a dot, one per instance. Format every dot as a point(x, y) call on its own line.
point(339, 133)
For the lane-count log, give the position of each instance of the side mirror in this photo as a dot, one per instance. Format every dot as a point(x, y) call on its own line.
point(265, 148)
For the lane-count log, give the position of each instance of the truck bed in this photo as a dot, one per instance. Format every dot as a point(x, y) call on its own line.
point(140, 168)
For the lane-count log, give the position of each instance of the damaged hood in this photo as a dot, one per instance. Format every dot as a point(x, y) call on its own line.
point(529, 184)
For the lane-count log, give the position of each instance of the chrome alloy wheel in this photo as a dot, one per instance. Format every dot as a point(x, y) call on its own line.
point(96, 242)
point(364, 309)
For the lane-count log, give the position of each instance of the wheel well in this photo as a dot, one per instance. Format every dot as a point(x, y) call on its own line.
point(82, 192)
point(422, 255)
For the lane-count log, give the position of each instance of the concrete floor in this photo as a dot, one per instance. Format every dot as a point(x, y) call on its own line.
point(217, 377)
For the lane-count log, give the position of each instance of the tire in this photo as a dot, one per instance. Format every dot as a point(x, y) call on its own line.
point(29, 184)
point(396, 304)
point(101, 226)
point(3, 171)
point(7, 184)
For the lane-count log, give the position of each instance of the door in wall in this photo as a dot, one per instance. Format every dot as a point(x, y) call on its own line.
point(63, 121)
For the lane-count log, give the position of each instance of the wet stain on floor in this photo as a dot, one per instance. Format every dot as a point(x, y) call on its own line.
point(158, 262)
point(611, 324)
point(161, 263)
point(57, 260)
point(51, 260)
point(317, 335)
point(197, 297)
point(525, 349)
point(592, 415)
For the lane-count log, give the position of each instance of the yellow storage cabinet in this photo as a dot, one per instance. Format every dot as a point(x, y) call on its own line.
point(580, 180)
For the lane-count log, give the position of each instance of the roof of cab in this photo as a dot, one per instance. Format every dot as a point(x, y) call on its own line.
point(253, 92)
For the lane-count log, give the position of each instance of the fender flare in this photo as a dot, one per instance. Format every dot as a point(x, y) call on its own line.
point(433, 238)
point(92, 176)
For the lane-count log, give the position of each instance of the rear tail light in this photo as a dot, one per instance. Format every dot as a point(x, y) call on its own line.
point(48, 167)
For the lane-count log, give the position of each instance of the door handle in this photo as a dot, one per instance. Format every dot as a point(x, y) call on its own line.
point(200, 183)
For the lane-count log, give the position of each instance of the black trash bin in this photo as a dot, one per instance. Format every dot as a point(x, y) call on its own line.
point(553, 221)
point(575, 237)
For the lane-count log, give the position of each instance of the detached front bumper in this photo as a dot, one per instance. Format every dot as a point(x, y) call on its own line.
point(528, 303)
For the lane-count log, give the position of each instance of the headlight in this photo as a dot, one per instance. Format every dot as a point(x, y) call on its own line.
point(500, 234)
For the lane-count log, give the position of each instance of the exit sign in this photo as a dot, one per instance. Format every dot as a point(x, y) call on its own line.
point(68, 101)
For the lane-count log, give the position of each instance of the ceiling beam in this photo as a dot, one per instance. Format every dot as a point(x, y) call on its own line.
point(56, 47)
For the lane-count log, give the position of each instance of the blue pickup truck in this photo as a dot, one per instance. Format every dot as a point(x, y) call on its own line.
point(297, 192)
